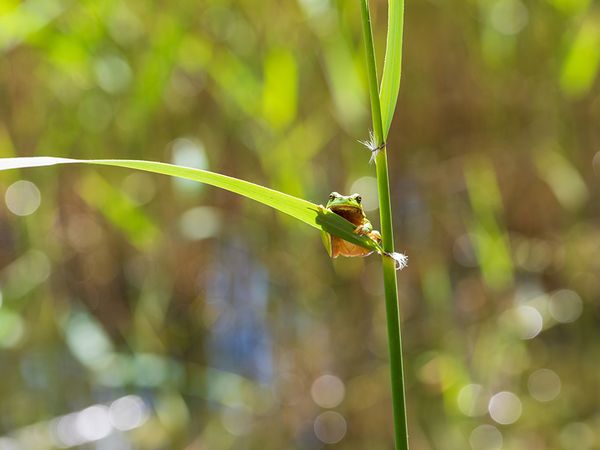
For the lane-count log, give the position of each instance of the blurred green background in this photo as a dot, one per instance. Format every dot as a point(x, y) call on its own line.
point(140, 312)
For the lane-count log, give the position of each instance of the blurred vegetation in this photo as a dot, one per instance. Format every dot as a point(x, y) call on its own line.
point(138, 312)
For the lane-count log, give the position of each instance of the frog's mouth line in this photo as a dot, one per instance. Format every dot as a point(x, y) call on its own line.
point(350, 213)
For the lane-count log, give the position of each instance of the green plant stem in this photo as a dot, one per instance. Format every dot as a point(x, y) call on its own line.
point(387, 234)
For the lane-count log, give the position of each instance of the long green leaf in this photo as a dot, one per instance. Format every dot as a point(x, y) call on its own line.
point(298, 208)
point(392, 66)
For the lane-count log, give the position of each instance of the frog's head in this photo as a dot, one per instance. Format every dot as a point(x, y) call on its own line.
point(347, 206)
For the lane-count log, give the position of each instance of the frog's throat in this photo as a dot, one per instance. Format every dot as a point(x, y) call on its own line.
point(350, 213)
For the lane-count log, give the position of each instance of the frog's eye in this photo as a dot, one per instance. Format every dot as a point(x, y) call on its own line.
point(358, 198)
point(331, 196)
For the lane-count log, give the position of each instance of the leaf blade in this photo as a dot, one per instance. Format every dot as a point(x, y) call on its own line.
point(392, 66)
point(303, 210)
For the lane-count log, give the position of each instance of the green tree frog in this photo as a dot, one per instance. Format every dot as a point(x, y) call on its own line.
point(349, 207)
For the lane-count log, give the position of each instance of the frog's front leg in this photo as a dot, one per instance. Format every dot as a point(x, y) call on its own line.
point(375, 235)
point(364, 229)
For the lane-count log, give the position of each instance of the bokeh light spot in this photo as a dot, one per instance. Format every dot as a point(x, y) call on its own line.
point(316, 7)
point(123, 25)
point(23, 198)
point(509, 16)
point(112, 73)
point(485, 437)
point(565, 306)
point(367, 188)
point(12, 328)
point(505, 408)
point(530, 322)
point(188, 152)
point(139, 187)
point(472, 400)
point(65, 431)
point(544, 385)
point(93, 423)
point(200, 223)
point(330, 427)
point(87, 340)
point(577, 436)
point(9, 444)
point(128, 413)
point(328, 391)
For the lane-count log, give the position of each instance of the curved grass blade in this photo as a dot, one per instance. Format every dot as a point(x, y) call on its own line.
point(392, 66)
point(303, 210)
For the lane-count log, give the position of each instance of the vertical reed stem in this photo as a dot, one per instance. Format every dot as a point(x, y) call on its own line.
point(387, 234)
